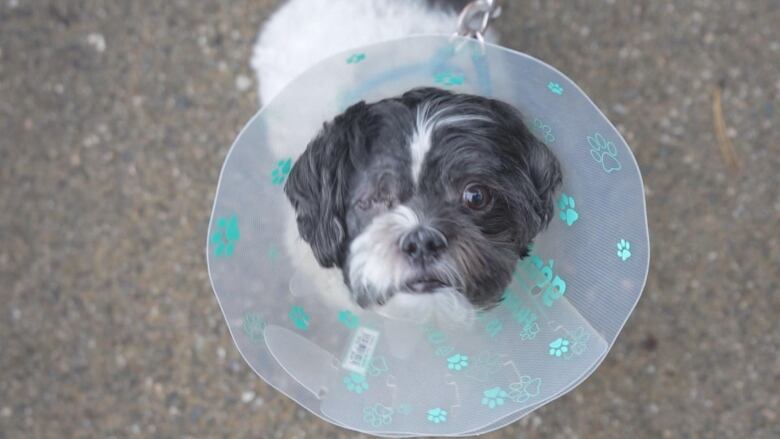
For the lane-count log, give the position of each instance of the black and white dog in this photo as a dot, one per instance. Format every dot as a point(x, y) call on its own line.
point(423, 203)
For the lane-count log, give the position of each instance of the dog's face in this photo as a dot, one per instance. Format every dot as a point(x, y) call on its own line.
point(428, 194)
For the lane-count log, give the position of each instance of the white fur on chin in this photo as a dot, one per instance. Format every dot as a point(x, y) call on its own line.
point(446, 307)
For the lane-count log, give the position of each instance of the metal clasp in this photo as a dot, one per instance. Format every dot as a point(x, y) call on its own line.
point(475, 18)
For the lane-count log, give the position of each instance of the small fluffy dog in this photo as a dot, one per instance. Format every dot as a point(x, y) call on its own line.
point(424, 201)
point(421, 204)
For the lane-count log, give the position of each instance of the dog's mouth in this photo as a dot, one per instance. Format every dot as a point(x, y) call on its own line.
point(425, 284)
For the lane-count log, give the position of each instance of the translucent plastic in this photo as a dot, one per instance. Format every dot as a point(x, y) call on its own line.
point(561, 314)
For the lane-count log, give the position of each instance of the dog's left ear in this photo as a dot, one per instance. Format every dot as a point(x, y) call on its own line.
point(318, 184)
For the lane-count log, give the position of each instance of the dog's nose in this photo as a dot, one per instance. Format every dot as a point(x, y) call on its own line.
point(423, 243)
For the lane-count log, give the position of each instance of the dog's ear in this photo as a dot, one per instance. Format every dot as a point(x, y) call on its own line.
point(539, 175)
point(545, 173)
point(541, 180)
point(318, 184)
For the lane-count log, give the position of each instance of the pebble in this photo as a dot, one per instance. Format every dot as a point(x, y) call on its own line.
point(247, 396)
point(97, 41)
point(243, 83)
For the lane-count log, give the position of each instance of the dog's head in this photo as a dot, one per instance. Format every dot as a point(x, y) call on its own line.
point(428, 195)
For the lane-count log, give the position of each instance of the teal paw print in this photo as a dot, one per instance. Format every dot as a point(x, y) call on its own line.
point(624, 249)
point(457, 362)
point(253, 326)
point(437, 415)
point(555, 88)
point(567, 212)
point(281, 171)
point(356, 58)
point(449, 78)
point(356, 383)
point(225, 236)
point(558, 347)
point(299, 318)
point(494, 397)
point(604, 152)
point(544, 130)
point(378, 415)
point(351, 321)
point(524, 389)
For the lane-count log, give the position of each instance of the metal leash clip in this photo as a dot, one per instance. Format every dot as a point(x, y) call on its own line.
point(475, 18)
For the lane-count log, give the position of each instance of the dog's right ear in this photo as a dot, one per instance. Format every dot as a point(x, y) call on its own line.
point(318, 184)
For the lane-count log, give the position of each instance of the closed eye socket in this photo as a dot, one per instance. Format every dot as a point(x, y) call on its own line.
point(376, 203)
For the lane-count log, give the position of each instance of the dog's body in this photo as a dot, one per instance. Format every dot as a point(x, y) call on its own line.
point(421, 204)
point(303, 32)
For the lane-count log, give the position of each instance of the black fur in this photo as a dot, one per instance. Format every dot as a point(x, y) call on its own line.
point(359, 166)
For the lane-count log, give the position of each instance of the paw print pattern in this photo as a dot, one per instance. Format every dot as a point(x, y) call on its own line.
point(544, 130)
point(568, 214)
point(438, 339)
point(378, 366)
point(529, 331)
point(604, 152)
point(225, 236)
point(253, 326)
point(624, 250)
point(356, 383)
point(437, 415)
point(494, 397)
point(555, 88)
point(558, 347)
point(299, 317)
point(449, 78)
point(348, 319)
point(579, 342)
point(524, 389)
point(356, 58)
point(457, 362)
point(280, 172)
point(485, 365)
point(378, 415)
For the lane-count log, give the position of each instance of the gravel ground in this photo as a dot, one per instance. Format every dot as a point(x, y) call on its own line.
point(116, 116)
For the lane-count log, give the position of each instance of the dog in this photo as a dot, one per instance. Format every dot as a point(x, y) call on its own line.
point(381, 195)
point(425, 201)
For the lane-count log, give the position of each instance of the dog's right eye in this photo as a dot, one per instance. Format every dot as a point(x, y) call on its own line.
point(476, 196)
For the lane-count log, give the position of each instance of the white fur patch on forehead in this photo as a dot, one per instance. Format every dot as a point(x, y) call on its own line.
point(426, 123)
